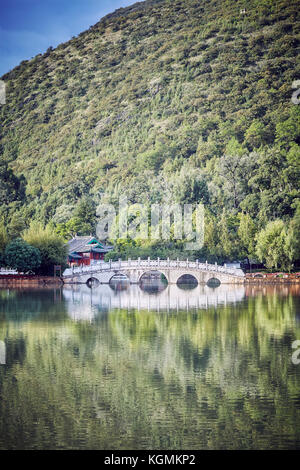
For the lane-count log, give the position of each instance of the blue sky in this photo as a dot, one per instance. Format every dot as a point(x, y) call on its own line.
point(29, 27)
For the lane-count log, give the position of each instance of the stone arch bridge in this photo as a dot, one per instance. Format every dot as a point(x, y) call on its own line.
point(135, 269)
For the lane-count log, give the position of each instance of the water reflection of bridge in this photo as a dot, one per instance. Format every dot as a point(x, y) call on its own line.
point(84, 303)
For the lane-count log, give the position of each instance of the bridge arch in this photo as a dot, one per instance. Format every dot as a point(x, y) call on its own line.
point(119, 282)
point(158, 272)
point(258, 275)
point(213, 282)
point(120, 276)
point(92, 282)
point(187, 280)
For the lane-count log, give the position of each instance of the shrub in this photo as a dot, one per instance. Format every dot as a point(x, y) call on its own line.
point(21, 256)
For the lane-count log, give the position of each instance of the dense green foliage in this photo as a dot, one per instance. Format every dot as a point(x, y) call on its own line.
point(21, 256)
point(51, 247)
point(182, 101)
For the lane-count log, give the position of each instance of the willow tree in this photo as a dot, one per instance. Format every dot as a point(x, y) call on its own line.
point(271, 247)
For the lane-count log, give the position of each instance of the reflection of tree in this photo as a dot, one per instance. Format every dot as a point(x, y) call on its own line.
point(15, 351)
point(217, 378)
point(26, 304)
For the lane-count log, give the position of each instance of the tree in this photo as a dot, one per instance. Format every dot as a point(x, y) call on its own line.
point(73, 227)
point(4, 238)
point(211, 237)
point(292, 245)
point(255, 135)
point(292, 172)
point(220, 237)
point(271, 247)
point(228, 236)
point(287, 132)
point(235, 148)
point(190, 186)
point(85, 211)
point(83, 221)
point(16, 226)
point(50, 245)
point(21, 256)
point(231, 170)
point(11, 187)
point(268, 179)
point(246, 232)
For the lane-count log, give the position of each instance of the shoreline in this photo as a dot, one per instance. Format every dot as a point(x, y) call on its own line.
point(48, 281)
point(16, 280)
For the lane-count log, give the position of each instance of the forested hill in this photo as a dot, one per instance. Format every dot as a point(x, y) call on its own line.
point(180, 100)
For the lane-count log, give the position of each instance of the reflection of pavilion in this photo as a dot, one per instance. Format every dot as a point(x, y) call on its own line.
point(83, 302)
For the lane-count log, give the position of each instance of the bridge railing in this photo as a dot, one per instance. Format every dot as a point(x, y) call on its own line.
point(158, 263)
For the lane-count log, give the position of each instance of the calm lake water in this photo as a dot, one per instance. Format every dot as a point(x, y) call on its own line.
point(162, 367)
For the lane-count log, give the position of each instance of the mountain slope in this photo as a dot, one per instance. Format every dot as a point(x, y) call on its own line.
point(149, 100)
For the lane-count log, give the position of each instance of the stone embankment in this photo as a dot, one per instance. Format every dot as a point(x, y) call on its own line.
point(20, 280)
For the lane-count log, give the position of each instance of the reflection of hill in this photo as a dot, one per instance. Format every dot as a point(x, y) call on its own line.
point(215, 377)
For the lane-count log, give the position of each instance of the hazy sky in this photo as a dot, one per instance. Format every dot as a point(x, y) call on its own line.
point(29, 27)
